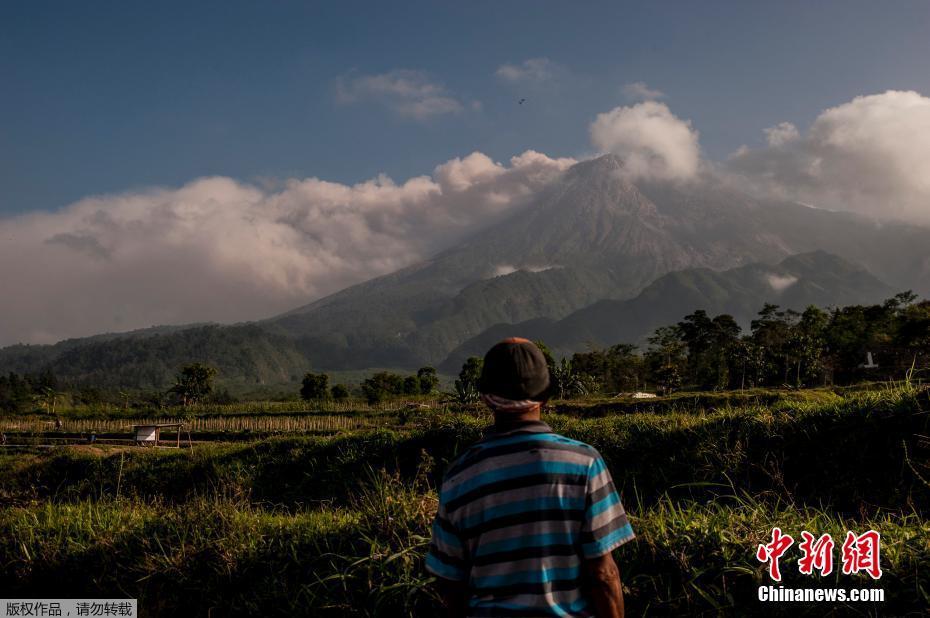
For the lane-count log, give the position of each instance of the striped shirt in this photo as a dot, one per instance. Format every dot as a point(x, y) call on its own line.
point(518, 513)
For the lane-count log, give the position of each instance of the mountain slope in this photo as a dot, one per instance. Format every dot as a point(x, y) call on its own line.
point(149, 359)
point(816, 278)
point(592, 235)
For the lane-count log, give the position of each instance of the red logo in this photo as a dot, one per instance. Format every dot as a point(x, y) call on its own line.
point(859, 553)
point(773, 551)
point(817, 554)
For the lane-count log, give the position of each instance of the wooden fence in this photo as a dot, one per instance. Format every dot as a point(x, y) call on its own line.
point(276, 423)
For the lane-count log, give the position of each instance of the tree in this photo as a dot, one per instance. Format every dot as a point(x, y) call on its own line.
point(746, 360)
point(411, 385)
point(382, 385)
point(807, 340)
point(314, 386)
point(666, 357)
point(725, 335)
point(428, 379)
point(912, 336)
point(569, 383)
point(547, 354)
point(616, 369)
point(709, 343)
point(772, 332)
point(15, 393)
point(914, 326)
point(902, 300)
point(466, 386)
point(48, 398)
point(339, 392)
point(193, 383)
point(44, 381)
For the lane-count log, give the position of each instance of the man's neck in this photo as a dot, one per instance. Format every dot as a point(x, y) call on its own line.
point(508, 420)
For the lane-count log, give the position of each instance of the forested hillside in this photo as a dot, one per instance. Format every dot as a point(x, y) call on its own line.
point(243, 355)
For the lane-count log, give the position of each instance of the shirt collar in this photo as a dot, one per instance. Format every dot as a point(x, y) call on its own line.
point(526, 426)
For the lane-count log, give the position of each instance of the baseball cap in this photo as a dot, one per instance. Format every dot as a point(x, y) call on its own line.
point(515, 369)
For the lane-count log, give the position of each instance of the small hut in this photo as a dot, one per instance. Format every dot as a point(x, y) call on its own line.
point(150, 435)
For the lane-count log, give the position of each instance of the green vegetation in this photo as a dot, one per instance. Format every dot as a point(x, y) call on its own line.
point(366, 560)
point(466, 386)
point(339, 392)
point(384, 385)
point(340, 523)
point(427, 380)
point(245, 356)
point(322, 503)
point(314, 386)
point(193, 383)
point(784, 348)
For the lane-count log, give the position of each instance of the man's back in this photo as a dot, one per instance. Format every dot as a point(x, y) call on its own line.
point(519, 513)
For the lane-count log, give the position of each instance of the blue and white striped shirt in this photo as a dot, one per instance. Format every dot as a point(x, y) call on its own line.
point(518, 513)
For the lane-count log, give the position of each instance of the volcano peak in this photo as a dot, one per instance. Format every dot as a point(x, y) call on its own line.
point(604, 164)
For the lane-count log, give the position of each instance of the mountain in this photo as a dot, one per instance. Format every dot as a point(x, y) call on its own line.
point(816, 278)
point(592, 235)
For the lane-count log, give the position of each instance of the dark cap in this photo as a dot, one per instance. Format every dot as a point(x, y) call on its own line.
point(515, 369)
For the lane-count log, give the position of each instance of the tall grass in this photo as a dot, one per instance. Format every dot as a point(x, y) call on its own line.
point(847, 455)
point(338, 525)
point(230, 558)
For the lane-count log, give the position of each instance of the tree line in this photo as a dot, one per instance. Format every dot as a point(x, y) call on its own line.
point(377, 387)
point(783, 348)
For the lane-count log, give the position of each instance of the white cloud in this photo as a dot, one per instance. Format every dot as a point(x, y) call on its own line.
point(652, 141)
point(532, 70)
point(217, 249)
point(781, 134)
point(503, 269)
point(870, 155)
point(506, 269)
point(541, 268)
point(408, 93)
point(640, 91)
point(780, 283)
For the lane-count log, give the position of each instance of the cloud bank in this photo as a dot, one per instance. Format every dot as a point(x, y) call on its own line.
point(221, 250)
point(652, 141)
point(870, 155)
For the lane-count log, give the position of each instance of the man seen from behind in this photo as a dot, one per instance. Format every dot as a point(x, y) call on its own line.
point(527, 518)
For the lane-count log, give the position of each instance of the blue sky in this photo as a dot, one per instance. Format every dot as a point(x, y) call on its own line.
point(106, 97)
point(189, 162)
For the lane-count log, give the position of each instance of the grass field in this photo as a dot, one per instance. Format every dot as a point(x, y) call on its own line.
point(298, 523)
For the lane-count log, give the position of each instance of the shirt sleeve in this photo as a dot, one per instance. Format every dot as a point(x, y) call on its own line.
point(605, 525)
point(446, 556)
